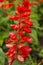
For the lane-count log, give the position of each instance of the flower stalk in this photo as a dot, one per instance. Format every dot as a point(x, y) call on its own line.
point(19, 50)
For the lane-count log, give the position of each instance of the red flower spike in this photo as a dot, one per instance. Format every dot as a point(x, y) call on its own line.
point(7, 6)
point(19, 50)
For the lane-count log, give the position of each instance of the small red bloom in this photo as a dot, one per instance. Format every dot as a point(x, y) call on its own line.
point(20, 58)
point(15, 27)
point(10, 46)
point(25, 50)
point(21, 34)
point(9, 40)
point(19, 46)
point(27, 22)
point(26, 14)
point(26, 3)
point(26, 29)
point(26, 39)
point(7, 6)
point(12, 52)
point(11, 60)
point(2, 0)
point(24, 56)
point(12, 35)
point(20, 9)
point(13, 17)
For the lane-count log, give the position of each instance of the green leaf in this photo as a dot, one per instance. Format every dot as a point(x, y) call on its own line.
point(35, 18)
point(4, 20)
point(15, 22)
point(35, 24)
point(3, 35)
point(32, 61)
point(41, 10)
point(34, 36)
point(1, 42)
point(41, 53)
point(2, 57)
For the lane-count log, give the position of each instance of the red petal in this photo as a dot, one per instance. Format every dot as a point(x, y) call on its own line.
point(13, 17)
point(20, 58)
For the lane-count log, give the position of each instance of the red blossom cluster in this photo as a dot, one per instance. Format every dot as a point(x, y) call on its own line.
point(2, 0)
point(6, 5)
point(18, 50)
point(5, 0)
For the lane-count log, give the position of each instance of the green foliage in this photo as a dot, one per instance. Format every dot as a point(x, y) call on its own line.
point(41, 53)
point(29, 61)
point(34, 36)
point(2, 57)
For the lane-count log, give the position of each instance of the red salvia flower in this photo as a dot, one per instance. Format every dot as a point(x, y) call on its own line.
point(13, 17)
point(2, 0)
point(26, 3)
point(18, 49)
point(26, 39)
point(7, 6)
point(13, 54)
point(25, 50)
point(20, 9)
point(15, 27)
point(29, 23)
